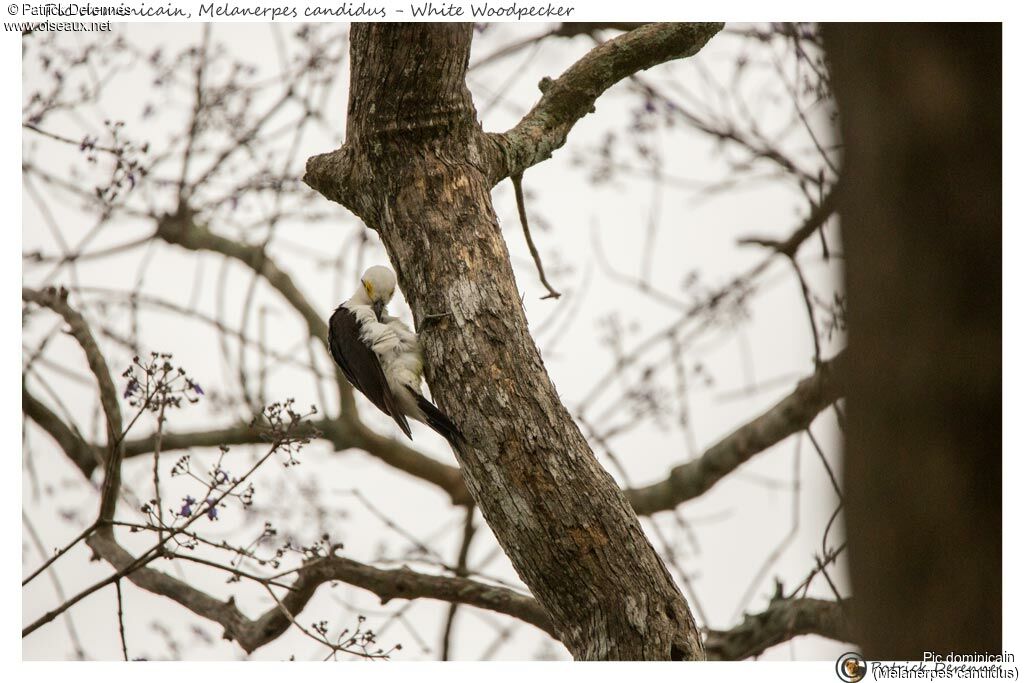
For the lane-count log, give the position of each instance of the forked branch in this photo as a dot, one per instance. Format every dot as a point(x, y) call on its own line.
point(571, 96)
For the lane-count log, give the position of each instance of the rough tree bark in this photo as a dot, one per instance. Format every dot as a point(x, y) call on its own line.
point(417, 168)
point(920, 204)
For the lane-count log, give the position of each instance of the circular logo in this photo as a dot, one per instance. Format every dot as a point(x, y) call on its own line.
point(851, 667)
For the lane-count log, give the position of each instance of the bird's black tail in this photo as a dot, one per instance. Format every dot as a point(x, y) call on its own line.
point(439, 422)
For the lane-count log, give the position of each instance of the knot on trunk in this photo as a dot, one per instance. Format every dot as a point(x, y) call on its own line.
point(343, 176)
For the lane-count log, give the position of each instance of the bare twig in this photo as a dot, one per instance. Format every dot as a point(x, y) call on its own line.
point(461, 570)
point(57, 586)
point(517, 183)
point(120, 620)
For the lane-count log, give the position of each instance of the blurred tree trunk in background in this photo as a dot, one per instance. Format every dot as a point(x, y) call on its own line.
point(921, 215)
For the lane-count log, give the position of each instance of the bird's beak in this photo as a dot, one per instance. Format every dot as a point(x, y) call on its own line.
point(378, 309)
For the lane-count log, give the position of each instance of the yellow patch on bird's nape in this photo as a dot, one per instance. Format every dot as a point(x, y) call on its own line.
point(368, 287)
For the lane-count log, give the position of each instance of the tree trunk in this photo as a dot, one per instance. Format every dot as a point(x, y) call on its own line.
point(416, 167)
point(920, 204)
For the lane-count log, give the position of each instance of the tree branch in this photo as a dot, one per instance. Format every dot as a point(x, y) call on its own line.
point(789, 416)
point(565, 30)
point(788, 247)
point(571, 29)
point(387, 584)
point(782, 621)
point(571, 96)
point(399, 455)
point(84, 456)
point(56, 300)
point(181, 228)
point(342, 434)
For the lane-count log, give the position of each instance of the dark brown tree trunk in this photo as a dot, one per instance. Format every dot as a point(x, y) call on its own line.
point(920, 202)
point(417, 168)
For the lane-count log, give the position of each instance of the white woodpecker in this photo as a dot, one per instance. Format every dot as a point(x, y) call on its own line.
point(381, 357)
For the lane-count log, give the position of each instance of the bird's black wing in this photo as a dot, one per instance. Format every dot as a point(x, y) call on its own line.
point(361, 366)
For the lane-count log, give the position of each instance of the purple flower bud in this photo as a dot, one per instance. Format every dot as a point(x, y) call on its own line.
point(211, 511)
point(186, 509)
point(133, 385)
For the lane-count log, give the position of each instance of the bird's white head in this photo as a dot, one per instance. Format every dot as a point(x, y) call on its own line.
point(379, 284)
